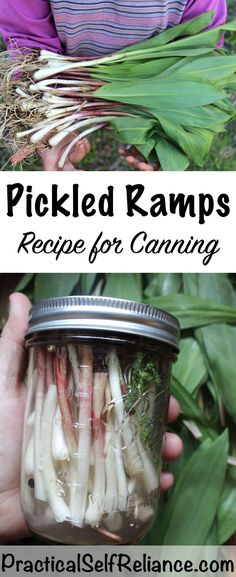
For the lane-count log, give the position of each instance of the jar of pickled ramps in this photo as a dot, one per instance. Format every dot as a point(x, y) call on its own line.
point(96, 412)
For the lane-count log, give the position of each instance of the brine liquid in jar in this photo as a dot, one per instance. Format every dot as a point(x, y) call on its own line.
point(96, 412)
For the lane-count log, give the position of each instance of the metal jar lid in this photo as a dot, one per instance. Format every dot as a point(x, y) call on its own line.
point(104, 314)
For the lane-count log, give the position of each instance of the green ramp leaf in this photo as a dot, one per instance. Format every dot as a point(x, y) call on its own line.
point(226, 514)
point(192, 507)
point(188, 28)
point(170, 157)
point(162, 284)
point(212, 67)
point(54, 285)
point(123, 286)
point(196, 116)
point(194, 312)
point(159, 91)
point(195, 142)
point(133, 130)
point(190, 409)
point(219, 345)
point(87, 280)
point(25, 281)
point(190, 368)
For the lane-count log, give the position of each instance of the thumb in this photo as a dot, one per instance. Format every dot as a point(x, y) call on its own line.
point(12, 351)
point(16, 325)
point(79, 151)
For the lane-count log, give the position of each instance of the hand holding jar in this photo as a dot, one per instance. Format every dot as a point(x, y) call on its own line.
point(12, 359)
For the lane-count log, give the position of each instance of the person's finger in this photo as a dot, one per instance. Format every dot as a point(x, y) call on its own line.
point(130, 150)
point(174, 410)
point(51, 155)
point(122, 151)
point(16, 325)
point(49, 160)
point(80, 150)
point(131, 160)
point(68, 167)
point(145, 167)
point(166, 480)
point(21, 154)
point(125, 151)
point(135, 162)
point(13, 523)
point(12, 352)
point(172, 447)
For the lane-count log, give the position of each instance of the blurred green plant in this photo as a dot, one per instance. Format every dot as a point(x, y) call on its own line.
point(201, 508)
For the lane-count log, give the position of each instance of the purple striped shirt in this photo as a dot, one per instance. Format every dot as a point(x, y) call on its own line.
point(100, 27)
point(85, 27)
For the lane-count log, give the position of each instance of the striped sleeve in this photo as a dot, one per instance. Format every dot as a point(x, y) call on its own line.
point(25, 23)
point(196, 7)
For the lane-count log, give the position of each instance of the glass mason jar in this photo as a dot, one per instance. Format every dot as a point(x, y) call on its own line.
point(96, 412)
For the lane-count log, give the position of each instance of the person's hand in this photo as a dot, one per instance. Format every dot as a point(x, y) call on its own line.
point(51, 156)
point(12, 391)
point(135, 159)
point(13, 366)
point(172, 445)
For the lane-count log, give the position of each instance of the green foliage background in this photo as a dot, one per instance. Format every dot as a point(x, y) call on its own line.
point(201, 507)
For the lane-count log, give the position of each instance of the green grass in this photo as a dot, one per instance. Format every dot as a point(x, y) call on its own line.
point(104, 152)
